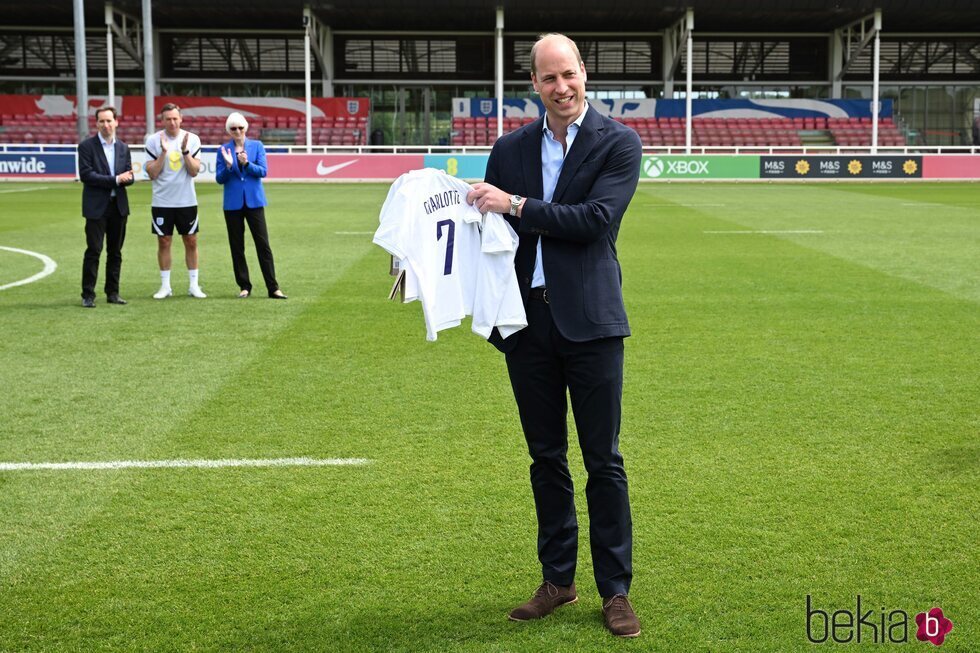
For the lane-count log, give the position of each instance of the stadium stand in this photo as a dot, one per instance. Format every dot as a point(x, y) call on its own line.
point(857, 132)
point(60, 130)
point(716, 132)
point(777, 49)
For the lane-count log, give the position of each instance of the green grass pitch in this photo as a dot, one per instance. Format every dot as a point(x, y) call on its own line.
point(800, 418)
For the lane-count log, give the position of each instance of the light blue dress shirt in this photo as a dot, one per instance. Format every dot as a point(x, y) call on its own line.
point(110, 155)
point(552, 159)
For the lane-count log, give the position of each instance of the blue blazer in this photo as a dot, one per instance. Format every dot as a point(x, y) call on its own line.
point(578, 228)
point(93, 172)
point(243, 188)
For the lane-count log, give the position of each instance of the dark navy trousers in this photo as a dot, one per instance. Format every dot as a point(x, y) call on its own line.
point(542, 367)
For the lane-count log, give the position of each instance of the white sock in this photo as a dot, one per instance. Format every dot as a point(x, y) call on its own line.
point(193, 275)
point(164, 278)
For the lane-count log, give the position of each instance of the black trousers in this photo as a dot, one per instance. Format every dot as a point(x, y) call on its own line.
point(235, 222)
point(111, 228)
point(542, 366)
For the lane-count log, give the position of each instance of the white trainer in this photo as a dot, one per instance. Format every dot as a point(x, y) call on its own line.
point(195, 291)
point(165, 291)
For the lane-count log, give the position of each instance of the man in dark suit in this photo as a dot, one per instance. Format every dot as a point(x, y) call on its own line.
point(105, 167)
point(566, 180)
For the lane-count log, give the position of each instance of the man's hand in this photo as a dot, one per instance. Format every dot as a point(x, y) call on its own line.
point(124, 178)
point(487, 197)
point(183, 143)
point(155, 167)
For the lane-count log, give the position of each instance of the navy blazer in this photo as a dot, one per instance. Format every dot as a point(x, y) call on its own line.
point(243, 187)
point(93, 171)
point(578, 228)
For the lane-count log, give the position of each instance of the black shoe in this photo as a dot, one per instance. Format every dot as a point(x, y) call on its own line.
point(88, 302)
point(116, 299)
point(282, 295)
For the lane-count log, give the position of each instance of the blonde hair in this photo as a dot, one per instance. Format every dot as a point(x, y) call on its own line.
point(234, 120)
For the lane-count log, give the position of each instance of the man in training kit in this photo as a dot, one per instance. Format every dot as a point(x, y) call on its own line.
point(566, 180)
point(173, 167)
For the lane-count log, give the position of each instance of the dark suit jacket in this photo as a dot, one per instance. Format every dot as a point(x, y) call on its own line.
point(578, 227)
point(93, 171)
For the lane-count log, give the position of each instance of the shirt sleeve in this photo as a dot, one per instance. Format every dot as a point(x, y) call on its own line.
point(498, 300)
point(498, 236)
point(152, 146)
point(391, 232)
point(194, 145)
point(411, 282)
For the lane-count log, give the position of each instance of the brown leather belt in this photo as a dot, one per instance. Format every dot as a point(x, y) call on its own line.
point(539, 294)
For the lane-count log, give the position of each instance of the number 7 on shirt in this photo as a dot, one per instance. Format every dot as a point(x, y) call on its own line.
point(450, 237)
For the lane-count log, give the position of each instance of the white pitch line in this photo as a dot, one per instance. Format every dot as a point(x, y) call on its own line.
point(49, 267)
point(180, 463)
point(769, 231)
point(684, 205)
point(940, 204)
point(24, 190)
point(353, 233)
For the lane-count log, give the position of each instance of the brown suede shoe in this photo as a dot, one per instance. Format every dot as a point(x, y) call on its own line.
point(546, 599)
point(620, 618)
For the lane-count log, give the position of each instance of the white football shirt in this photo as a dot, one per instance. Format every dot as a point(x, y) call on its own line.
point(457, 261)
point(174, 187)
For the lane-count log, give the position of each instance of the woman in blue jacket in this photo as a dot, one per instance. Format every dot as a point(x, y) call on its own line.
point(240, 168)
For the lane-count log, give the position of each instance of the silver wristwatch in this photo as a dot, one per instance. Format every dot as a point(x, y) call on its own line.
point(515, 203)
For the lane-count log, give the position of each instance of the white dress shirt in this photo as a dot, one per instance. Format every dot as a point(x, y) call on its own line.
point(109, 148)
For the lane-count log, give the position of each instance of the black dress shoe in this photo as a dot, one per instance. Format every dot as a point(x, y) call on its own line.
point(282, 296)
point(88, 302)
point(116, 299)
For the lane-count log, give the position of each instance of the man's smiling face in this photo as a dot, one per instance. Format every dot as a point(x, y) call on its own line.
point(559, 78)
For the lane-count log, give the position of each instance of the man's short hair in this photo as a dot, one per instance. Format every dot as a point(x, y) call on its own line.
point(169, 106)
point(110, 109)
point(542, 37)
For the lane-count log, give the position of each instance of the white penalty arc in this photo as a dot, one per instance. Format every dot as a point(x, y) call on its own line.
point(49, 267)
point(182, 463)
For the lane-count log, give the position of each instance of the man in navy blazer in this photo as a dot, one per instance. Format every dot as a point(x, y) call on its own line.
point(566, 181)
point(105, 167)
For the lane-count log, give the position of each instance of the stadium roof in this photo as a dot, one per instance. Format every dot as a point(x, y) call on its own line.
point(520, 16)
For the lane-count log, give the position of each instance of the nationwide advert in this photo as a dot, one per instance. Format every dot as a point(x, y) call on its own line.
point(39, 165)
